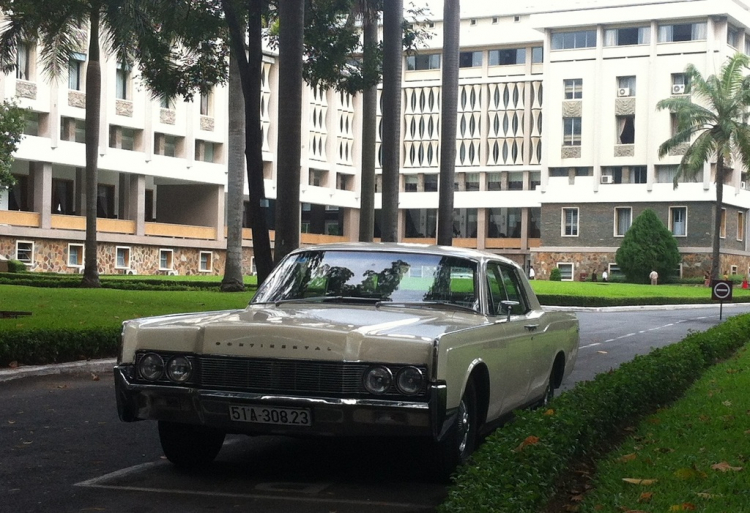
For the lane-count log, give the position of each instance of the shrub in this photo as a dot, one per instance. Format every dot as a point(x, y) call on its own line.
point(555, 275)
point(517, 468)
point(648, 245)
point(16, 266)
point(43, 346)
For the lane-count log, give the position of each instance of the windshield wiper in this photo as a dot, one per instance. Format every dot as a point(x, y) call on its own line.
point(425, 304)
point(329, 299)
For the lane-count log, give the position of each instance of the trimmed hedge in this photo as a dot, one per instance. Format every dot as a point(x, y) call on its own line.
point(517, 468)
point(44, 346)
point(50, 280)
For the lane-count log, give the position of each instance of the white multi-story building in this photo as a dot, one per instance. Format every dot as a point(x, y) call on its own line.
point(556, 148)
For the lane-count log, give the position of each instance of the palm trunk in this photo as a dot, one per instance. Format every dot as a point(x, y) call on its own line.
point(291, 28)
point(93, 113)
point(715, 251)
point(393, 12)
point(448, 121)
point(233, 281)
point(369, 128)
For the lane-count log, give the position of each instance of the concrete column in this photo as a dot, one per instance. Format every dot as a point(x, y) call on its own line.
point(525, 229)
point(41, 173)
point(219, 213)
point(138, 202)
point(80, 192)
point(481, 228)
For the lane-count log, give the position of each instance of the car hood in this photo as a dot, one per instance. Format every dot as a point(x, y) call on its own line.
point(321, 332)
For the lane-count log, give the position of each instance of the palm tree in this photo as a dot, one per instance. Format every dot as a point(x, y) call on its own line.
point(393, 14)
point(233, 281)
point(291, 29)
point(714, 127)
point(448, 121)
point(59, 27)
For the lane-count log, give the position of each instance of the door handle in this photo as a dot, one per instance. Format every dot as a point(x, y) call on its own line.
point(531, 327)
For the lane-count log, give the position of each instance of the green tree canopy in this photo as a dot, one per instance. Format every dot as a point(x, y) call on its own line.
point(648, 245)
point(11, 130)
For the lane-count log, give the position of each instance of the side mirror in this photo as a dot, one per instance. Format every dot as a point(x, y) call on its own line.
point(508, 305)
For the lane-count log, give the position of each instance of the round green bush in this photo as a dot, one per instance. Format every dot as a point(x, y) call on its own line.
point(555, 275)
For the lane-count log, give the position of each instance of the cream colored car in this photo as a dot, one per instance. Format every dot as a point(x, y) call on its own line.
point(358, 339)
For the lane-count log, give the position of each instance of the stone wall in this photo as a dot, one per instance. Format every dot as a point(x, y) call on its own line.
point(52, 256)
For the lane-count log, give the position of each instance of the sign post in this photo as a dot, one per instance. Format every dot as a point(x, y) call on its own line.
point(721, 290)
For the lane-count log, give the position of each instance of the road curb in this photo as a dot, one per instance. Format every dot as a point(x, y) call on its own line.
point(103, 366)
point(634, 308)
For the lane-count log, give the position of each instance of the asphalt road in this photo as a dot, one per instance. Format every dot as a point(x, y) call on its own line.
point(64, 449)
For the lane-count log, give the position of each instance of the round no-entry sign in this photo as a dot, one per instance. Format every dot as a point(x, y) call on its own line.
point(721, 290)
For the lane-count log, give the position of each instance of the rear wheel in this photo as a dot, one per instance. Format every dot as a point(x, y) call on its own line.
point(460, 441)
point(189, 446)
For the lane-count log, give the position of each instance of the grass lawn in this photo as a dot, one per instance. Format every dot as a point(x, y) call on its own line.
point(73, 307)
point(614, 290)
point(692, 456)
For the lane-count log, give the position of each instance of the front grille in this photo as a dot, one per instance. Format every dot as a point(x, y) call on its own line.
point(282, 376)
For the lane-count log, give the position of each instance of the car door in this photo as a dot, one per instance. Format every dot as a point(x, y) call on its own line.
point(509, 352)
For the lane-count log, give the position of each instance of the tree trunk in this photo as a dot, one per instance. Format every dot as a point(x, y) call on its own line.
point(715, 251)
point(369, 129)
point(233, 281)
point(291, 28)
point(393, 12)
point(93, 113)
point(250, 64)
point(448, 120)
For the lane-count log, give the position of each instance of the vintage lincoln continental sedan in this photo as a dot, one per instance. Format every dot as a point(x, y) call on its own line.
point(356, 339)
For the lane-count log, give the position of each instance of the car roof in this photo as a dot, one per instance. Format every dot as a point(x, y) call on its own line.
point(404, 247)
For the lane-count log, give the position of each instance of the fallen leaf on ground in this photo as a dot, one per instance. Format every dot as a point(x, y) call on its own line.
point(627, 457)
point(94, 377)
point(646, 497)
point(725, 467)
point(549, 412)
point(685, 506)
point(602, 352)
point(13, 364)
point(705, 495)
point(727, 403)
point(530, 440)
point(643, 482)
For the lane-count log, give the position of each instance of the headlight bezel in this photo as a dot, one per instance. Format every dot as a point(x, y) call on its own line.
point(169, 371)
point(386, 374)
point(414, 390)
point(151, 377)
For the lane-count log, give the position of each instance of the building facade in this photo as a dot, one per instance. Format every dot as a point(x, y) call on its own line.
point(556, 150)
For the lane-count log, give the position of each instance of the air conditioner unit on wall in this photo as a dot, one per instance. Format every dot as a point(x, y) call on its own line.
point(623, 91)
point(606, 179)
point(678, 89)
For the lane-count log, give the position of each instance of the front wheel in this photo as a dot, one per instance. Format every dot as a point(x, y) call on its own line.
point(549, 392)
point(460, 441)
point(189, 446)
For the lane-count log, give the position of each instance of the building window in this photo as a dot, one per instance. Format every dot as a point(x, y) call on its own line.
point(72, 129)
point(206, 107)
point(515, 180)
point(507, 57)
point(18, 194)
point(679, 83)
point(410, 183)
point(535, 179)
point(206, 261)
point(733, 270)
point(75, 71)
point(423, 62)
point(105, 201)
point(623, 219)
point(421, 223)
point(625, 86)
point(25, 251)
point(682, 32)
point(122, 82)
point(570, 222)
point(122, 257)
point(723, 227)
point(75, 255)
point(23, 61)
point(122, 137)
point(667, 174)
point(472, 181)
point(166, 259)
point(740, 225)
point(494, 181)
point(166, 145)
point(678, 221)
point(571, 131)
point(570, 40)
point(537, 54)
point(469, 59)
point(318, 178)
point(573, 88)
point(344, 182)
point(566, 271)
point(733, 36)
point(625, 129)
point(627, 36)
point(430, 183)
point(62, 196)
point(205, 151)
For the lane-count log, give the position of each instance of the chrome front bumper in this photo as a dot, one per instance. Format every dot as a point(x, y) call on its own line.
point(330, 416)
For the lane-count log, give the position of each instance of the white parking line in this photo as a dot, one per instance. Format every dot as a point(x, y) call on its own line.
point(639, 333)
point(101, 482)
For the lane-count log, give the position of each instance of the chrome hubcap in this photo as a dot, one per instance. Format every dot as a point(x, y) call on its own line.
point(463, 427)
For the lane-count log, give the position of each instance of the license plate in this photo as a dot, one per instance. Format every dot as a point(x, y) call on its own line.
point(265, 415)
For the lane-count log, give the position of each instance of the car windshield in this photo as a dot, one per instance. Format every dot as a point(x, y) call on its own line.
point(377, 276)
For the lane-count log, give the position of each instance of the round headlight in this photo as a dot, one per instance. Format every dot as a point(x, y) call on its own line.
point(179, 369)
point(151, 367)
point(409, 380)
point(378, 380)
